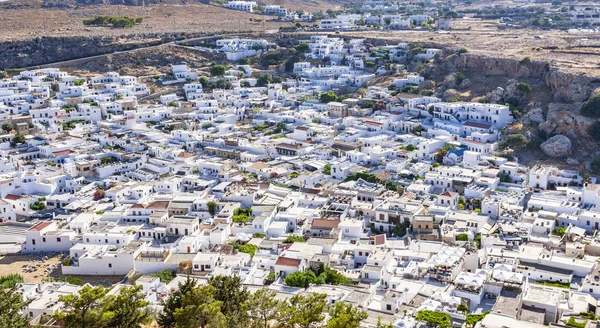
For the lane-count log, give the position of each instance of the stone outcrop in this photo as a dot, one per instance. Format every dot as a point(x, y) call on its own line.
point(40, 51)
point(558, 146)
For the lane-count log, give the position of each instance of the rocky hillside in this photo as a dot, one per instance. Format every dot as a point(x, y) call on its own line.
point(76, 3)
point(548, 115)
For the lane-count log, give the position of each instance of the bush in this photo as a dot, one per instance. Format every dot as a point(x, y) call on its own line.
point(462, 237)
point(591, 107)
point(113, 21)
point(460, 76)
point(462, 51)
point(523, 87)
point(258, 235)
point(515, 140)
point(165, 276)
point(301, 279)
point(245, 248)
point(293, 239)
point(525, 61)
point(574, 323)
point(559, 231)
point(218, 70)
point(10, 281)
point(328, 97)
point(434, 319)
point(594, 130)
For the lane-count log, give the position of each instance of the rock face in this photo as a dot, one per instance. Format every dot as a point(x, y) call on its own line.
point(44, 50)
point(558, 146)
point(566, 87)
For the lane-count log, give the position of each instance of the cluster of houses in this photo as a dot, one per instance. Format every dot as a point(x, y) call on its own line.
point(403, 194)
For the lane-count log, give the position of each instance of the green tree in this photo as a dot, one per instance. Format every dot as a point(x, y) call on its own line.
point(127, 309)
point(212, 208)
point(84, 309)
point(199, 309)
point(303, 311)
point(232, 295)
point(345, 315)
point(6, 126)
point(217, 70)
point(515, 140)
point(262, 307)
point(11, 305)
point(462, 307)
point(327, 169)
point(166, 318)
point(328, 97)
point(263, 80)
point(301, 279)
point(302, 47)
point(434, 319)
point(523, 87)
point(18, 139)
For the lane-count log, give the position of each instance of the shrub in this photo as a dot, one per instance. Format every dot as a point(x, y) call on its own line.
point(10, 281)
point(328, 97)
point(113, 21)
point(293, 239)
point(594, 130)
point(523, 87)
point(460, 76)
point(462, 51)
point(165, 276)
point(525, 61)
point(462, 237)
point(559, 231)
point(258, 235)
point(218, 70)
point(515, 140)
point(591, 107)
point(574, 323)
point(434, 319)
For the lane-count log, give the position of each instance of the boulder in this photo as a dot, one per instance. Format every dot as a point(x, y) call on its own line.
point(465, 84)
point(572, 161)
point(558, 146)
point(427, 85)
point(536, 115)
point(450, 93)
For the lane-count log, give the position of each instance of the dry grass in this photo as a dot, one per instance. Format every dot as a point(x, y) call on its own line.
point(570, 52)
point(26, 23)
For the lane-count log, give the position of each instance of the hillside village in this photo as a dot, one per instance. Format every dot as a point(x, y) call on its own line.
point(416, 202)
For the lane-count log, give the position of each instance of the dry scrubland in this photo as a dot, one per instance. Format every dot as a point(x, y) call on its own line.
point(31, 22)
point(578, 53)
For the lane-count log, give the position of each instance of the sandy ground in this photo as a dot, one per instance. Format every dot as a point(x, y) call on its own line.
point(17, 264)
point(45, 266)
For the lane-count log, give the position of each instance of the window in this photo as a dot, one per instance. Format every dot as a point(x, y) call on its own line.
point(58, 240)
point(43, 240)
point(389, 307)
point(110, 265)
point(207, 266)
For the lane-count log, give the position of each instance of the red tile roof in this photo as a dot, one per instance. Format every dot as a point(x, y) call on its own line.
point(478, 125)
point(286, 261)
point(324, 223)
point(12, 197)
point(40, 226)
point(63, 152)
point(448, 194)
